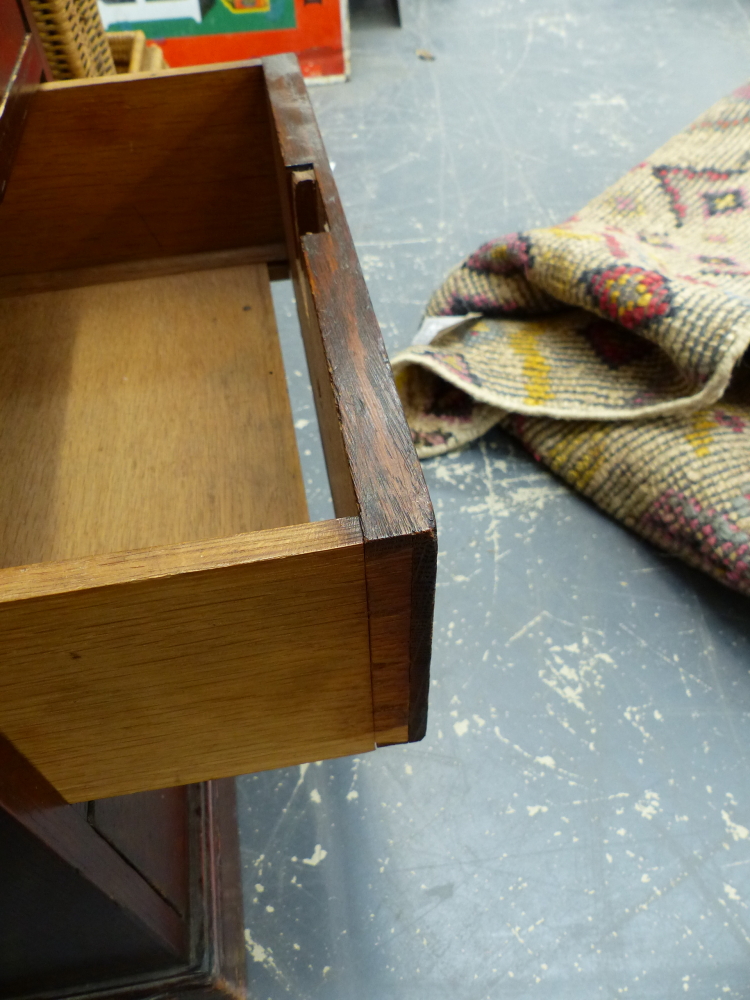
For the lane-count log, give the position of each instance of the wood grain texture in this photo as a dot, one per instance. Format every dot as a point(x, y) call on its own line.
point(146, 670)
point(389, 606)
point(70, 906)
point(328, 403)
point(133, 167)
point(369, 453)
point(144, 413)
point(113, 437)
point(274, 254)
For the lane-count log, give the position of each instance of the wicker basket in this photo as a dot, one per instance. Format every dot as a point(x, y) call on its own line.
point(133, 54)
point(91, 19)
point(73, 37)
point(77, 45)
point(153, 59)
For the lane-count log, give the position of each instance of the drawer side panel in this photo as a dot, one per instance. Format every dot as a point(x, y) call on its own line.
point(180, 678)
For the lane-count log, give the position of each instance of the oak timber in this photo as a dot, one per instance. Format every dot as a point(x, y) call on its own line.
point(45, 281)
point(134, 167)
point(149, 634)
point(143, 413)
point(144, 670)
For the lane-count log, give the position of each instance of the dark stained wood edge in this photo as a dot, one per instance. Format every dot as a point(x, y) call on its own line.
point(389, 573)
point(33, 803)
point(217, 969)
point(388, 480)
point(14, 104)
point(46, 73)
point(226, 952)
point(369, 453)
point(274, 254)
point(423, 576)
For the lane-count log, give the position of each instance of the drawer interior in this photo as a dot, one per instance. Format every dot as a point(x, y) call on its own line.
point(143, 400)
point(125, 169)
point(143, 413)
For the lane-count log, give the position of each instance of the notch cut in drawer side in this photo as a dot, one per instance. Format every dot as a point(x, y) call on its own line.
point(149, 412)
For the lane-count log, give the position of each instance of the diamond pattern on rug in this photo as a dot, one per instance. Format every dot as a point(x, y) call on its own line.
point(611, 346)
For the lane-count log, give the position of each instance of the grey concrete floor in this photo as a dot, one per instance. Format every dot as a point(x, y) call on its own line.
point(577, 821)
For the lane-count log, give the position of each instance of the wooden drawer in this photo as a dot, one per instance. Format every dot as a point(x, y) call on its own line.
point(168, 614)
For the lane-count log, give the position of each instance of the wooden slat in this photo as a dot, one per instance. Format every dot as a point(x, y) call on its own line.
point(225, 925)
point(143, 413)
point(390, 622)
point(327, 402)
point(178, 664)
point(371, 460)
point(273, 254)
point(131, 168)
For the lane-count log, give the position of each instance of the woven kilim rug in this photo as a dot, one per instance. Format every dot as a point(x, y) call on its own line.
point(611, 345)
